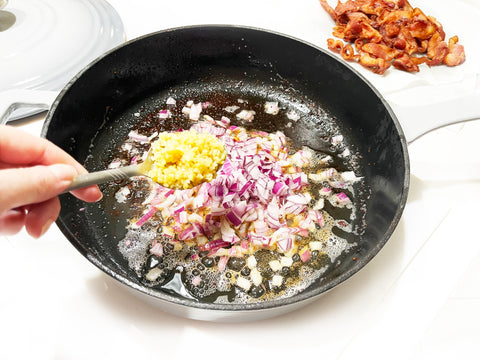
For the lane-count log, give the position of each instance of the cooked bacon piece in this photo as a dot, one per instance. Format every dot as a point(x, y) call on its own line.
point(409, 43)
point(419, 60)
point(422, 46)
point(401, 4)
point(406, 63)
point(439, 26)
point(348, 53)
point(359, 44)
point(380, 51)
point(400, 43)
point(421, 27)
point(335, 45)
point(329, 9)
point(377, 65)
point(433, 44)
point(339, 31)
point(456, 56)
point(345, 50)
point(347, 7)
point(437, 50)
point(359, 28)
point(398, 17)
point(390, 32)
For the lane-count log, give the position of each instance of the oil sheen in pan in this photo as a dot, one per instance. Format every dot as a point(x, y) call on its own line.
point(313, 128)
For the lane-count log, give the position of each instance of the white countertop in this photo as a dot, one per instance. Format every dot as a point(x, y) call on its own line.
point(419, 298)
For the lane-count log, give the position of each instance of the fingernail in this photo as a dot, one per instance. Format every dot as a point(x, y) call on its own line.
point(45, 227)
point(64, 173)
point(99, 196)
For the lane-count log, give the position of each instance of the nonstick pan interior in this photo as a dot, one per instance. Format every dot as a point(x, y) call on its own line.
point(95, 112)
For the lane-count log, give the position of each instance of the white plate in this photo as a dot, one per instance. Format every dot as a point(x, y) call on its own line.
point(52, 40)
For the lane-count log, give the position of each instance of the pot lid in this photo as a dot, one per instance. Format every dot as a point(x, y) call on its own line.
point(50, 41)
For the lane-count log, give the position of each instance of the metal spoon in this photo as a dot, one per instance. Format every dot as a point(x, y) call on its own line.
point(103, 176)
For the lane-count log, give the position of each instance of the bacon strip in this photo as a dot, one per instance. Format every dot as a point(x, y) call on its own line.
point(456, 55)
point(387, 33)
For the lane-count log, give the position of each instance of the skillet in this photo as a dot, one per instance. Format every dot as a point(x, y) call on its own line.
point(94, 113)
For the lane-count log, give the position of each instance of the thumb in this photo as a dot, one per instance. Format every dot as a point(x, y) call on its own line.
point(32, 185)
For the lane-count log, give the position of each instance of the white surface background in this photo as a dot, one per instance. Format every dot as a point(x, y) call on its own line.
point(419, 298)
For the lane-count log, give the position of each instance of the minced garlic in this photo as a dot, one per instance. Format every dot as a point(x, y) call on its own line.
point(182, 160)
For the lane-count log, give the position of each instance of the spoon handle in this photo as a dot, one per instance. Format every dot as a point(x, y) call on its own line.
point(100, 177)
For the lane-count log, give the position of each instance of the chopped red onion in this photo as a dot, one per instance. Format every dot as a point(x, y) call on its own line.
point(147, 216)
point(228, 233)
point(157, 248)
point(164, 114)
point(115, 164)
point(234, 218)
point(191, 232)
point(214, 245)
point(271, 107)
point(342, 198)
point(256, 198)
point(337, 139)
point(222, 263)
point(195, 111)
point(305, 255)
point(196, 280)
point(284, 239)
point(246, 115)
point(137, 137)
point(292, 115)
point(182, 217)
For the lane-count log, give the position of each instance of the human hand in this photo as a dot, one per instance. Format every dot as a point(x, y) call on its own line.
point(33, 172)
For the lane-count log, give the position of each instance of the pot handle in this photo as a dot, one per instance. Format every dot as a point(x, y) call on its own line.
point(420, 119)
point(12, 100)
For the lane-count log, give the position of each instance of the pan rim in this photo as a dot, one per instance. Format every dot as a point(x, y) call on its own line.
point(300, 297)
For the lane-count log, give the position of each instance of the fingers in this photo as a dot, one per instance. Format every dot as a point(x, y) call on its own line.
point(36, 218)
point(12, 221)
point(33, 185)
point(39, 183)
point(20, 149)
point(88, 194)
point(33, 171)
point(40, 216)
point(23, 149)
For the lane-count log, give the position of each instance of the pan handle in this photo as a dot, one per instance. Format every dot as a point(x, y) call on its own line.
point(419, 120)
point(16, 99)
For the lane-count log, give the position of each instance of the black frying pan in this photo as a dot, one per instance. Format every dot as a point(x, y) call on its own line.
point(94, 114)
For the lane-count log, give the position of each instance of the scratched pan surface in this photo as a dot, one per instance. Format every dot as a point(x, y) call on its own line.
point(95, 112)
